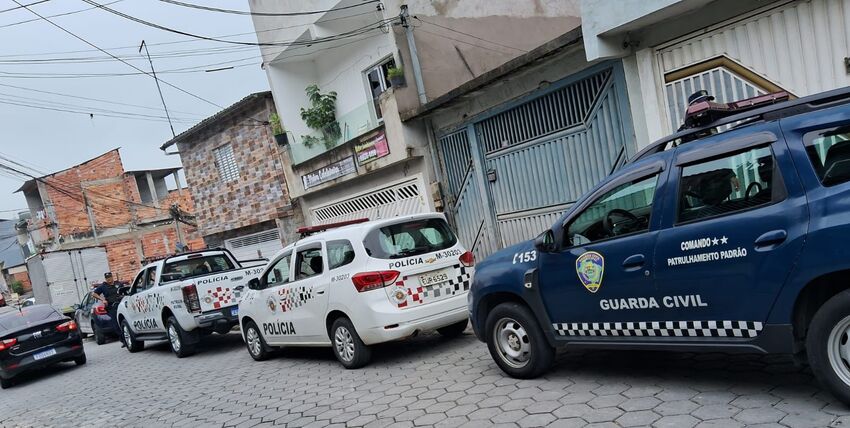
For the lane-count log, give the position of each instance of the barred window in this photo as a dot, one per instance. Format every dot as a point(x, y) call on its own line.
point(227, 169)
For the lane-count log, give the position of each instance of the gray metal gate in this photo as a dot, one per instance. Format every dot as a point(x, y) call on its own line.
point(511, 174)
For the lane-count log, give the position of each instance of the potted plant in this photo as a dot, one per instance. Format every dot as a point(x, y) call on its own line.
point(277, 130)
point(396, 75)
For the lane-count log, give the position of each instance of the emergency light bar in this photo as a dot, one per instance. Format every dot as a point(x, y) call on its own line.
point(702, 110)
point(309, 230)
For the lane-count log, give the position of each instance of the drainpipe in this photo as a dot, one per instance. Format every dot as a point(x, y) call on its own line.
point(414, 55)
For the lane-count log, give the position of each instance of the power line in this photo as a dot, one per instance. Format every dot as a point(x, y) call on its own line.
point(55, 16)
point(235, 42)
point(110, 54)
point(21, 7)
point(92, 99)
point(242, 12)
point(461, 41)
point(468, 35)
point(86, 113)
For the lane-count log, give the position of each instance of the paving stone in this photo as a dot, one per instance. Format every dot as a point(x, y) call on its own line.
point(639, 418)
point(759, 415)
point(678, 421)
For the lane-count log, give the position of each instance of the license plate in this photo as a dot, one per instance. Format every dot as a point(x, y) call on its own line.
point(44, 354)
point(432, 278)
point(234, 312)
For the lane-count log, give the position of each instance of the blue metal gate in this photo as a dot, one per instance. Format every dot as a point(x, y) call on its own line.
point(511, 173)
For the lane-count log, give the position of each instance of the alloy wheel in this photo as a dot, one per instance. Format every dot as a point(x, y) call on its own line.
point(838, 349)
point(174, 338)
point(344, 343)
point(253, 339)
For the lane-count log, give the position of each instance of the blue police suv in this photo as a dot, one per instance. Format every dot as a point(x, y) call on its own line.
point(730, 235)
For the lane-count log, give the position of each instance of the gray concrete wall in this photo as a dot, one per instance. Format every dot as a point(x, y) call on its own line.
point(496, 31)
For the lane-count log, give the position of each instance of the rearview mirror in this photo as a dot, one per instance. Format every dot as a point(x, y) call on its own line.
point(254, 284)
point(545, 242)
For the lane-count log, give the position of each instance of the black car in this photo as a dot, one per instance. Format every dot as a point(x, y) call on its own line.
point(34, 337)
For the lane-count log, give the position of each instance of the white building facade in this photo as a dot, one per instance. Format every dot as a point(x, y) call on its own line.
point(734, 49)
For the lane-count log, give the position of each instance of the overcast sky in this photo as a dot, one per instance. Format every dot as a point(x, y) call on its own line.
point(52, 140)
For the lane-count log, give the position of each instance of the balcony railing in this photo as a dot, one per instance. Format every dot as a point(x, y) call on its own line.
point(352, 124)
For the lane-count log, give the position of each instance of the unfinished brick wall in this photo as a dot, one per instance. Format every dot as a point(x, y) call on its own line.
point(123, 259)
point(259, 192)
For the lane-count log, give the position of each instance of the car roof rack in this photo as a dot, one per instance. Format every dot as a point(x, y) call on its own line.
point(706, 117)
point(306, 231)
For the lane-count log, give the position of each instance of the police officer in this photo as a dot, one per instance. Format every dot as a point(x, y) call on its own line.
point(107, 292)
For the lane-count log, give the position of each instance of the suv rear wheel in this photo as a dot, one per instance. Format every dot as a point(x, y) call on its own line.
point(6, 383)
point(129, 338)
point(828, 345)
point(516, 342)
point(454, 330)
point(182, 342)
point(257, 346)
point(351, 352)
point(99, 336)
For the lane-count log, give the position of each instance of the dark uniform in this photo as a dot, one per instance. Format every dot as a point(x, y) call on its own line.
point(109, 290)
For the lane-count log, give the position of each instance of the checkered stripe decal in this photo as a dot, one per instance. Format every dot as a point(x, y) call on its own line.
point(747, 329)
point(294, 297)
point(418, 295)
point(220, 297)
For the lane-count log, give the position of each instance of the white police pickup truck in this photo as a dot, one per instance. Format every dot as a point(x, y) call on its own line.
point(183, 297)
point(357, 285)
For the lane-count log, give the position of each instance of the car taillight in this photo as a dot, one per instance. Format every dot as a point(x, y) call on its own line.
point(190, 298)
point(365, 281)
point(100, 310)
point(66, 327)
point(467, 259)
point(8, 343)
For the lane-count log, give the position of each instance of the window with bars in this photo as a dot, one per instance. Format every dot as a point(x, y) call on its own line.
point(224, 160)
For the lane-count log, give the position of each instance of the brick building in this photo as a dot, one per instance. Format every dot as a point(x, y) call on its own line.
point(97, 202)
point(235, 171)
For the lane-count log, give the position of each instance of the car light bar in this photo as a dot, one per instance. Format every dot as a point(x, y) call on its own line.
point(309, 230)
point(702, 110)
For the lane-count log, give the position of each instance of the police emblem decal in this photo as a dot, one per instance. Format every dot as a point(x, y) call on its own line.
point(590, 267)
point(272, 305)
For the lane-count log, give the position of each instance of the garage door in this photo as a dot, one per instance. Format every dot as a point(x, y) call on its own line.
point(258, 245)
point(391, 201)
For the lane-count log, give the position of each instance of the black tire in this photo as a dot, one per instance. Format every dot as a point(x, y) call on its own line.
point(520, 334)
point(454, 330)
point(351, 352)
point(129, 338)
point(6, 383)
point(81, 360)
point(183, 343)
point(834, 314)
point(99, 336)
point(257, 346)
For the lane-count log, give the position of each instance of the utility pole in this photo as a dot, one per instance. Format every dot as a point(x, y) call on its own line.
point(158, 88)
point(175, 214)
point(90, 215)
point(404, 16)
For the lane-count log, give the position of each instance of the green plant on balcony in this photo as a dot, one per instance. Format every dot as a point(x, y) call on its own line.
point(321, 116)
point(277, 129)
point(396, 75)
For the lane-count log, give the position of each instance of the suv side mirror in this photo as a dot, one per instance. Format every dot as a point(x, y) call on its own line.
point(545, 242)
point(124, 291)
point(254, 284)
point(76, 306)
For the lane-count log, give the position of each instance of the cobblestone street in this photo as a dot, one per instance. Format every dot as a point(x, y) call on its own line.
point(425, 381)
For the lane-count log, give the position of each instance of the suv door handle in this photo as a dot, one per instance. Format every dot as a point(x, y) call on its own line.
point(239, 288)
point(769, 239)
point(633, 262)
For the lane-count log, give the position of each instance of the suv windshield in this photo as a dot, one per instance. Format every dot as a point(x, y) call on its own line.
point(409, 239)
point(196, 266)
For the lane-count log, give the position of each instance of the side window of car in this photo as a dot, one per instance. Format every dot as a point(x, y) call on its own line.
point(279, 273)
point(620, 211)
point(147, 279)
point(138, 283)
point(728, 184)
point(340, 253)
point(829, 151)
point(308, 262)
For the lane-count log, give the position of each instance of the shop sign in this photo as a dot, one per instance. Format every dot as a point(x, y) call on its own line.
point(331, 172)
point(372, 147)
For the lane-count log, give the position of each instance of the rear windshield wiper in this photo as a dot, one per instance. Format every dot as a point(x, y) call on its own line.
point(412, 252)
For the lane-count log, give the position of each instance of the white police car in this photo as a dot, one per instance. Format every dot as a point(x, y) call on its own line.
point(358, 283)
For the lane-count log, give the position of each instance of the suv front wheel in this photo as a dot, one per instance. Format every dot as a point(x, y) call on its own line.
point(828, 345)
point(129, 338)
point(516, 341)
